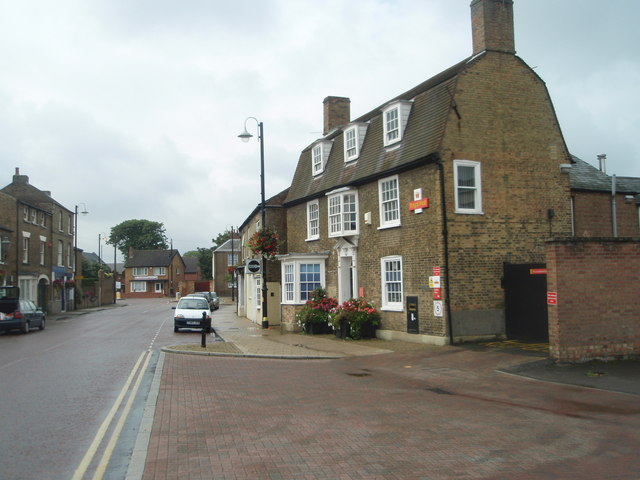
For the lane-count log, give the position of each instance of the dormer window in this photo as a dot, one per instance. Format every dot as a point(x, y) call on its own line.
point(319, 156)
point(353, 139)
point(394, 118)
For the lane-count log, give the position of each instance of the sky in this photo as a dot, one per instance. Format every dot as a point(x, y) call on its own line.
point(131, 109)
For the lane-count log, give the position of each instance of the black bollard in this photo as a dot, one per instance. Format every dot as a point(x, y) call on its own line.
point(206, 326)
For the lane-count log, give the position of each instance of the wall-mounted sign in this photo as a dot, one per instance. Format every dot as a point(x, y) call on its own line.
point(552, 298)
point(537, 271)
point(253, 265)
point(437, 308)
point(437, 293)
point(419, 204)
point(434, 282)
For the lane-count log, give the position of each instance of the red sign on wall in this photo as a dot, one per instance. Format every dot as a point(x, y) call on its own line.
point(417, 204)
point(552, 298)
point(437, 294)
point(436, 271)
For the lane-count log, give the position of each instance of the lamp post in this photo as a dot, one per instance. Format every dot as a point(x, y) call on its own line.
point(245, 136)
point(75, 238)
point(75, 249)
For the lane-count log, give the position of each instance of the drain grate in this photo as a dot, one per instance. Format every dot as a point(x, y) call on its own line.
point(359, 374)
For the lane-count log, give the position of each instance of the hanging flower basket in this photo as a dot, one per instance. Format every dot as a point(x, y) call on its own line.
point(70, 284)
point(58, 284)
point(265, 243)
point(230, 270)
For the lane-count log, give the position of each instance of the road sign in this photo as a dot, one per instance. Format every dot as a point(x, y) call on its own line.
point(253, 265)
point(437, 308)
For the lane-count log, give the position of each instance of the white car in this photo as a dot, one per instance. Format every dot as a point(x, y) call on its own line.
point(190, 313)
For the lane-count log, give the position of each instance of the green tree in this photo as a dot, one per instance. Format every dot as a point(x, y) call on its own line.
point(139, 235)
point(221, 238)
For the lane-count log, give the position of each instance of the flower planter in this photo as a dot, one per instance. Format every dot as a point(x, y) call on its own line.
point(317, 328)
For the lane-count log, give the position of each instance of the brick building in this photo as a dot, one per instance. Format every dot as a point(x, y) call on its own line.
point(154, 274)
point(223, 265)
point(442, 198)
point(38, 245)
point(250, 287)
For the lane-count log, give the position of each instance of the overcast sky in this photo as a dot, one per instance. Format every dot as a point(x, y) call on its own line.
point(132, 107)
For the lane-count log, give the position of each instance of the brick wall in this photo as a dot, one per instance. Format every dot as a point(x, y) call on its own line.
point(593, 213)
point(513, 132)
point(598, 310)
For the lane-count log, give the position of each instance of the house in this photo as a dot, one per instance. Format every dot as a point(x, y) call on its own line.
point(223, 263)
point(436, 205)
point(253, 297)
point(38, 238)
point(154, 274)
point(193, 276)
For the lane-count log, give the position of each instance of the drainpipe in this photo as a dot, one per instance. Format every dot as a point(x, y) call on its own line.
point(445, 239)
point(614, 220)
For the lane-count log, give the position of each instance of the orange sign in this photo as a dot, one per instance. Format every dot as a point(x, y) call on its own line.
point(537, 271)
point(416, 204)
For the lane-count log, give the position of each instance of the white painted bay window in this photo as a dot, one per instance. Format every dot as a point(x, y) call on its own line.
point(343, 213)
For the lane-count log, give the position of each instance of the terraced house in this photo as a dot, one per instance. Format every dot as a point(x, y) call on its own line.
point(437, 204)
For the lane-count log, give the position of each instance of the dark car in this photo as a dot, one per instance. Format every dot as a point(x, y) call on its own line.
point(17, 313)
point(215, 300)
point(212, 298)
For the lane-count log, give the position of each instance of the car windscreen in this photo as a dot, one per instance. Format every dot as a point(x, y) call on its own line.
point(193, 304)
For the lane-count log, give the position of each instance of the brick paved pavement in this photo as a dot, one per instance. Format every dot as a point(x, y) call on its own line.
point(444, 413)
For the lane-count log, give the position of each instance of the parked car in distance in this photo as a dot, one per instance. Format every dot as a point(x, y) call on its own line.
point(190, 312)
point(215, 300)
point(212, 298)
point(17, 313)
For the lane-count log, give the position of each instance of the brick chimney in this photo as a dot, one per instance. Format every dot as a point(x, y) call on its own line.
point(337, 112)
point(20, 179)
point(492, 26)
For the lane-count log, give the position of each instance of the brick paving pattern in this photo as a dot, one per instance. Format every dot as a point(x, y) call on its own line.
point(444, 414)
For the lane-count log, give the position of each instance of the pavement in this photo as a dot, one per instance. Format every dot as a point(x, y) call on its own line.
point(287, 417)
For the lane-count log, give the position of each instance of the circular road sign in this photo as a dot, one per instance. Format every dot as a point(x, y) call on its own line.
point(253, 266)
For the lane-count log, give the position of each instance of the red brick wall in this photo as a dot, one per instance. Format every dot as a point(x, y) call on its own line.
point(592, 213)
point(598, 311)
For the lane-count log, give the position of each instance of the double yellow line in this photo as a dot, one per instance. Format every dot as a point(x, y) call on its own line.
point(102, 431)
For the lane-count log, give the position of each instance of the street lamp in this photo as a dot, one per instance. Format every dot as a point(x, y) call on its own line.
point(75, 238)
point(245, 136)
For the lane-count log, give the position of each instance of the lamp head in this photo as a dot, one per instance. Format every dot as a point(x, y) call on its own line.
point(245, 136)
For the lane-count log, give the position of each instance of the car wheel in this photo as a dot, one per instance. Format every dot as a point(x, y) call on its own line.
point(41, 327)
point(176, 329)
point(26, 327)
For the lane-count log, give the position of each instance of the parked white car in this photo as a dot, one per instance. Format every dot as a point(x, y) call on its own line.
point(190, 312)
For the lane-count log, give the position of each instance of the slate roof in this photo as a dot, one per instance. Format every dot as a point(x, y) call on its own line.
point(432, 102)
point(226, 246)
point(584, 176)
point(150, 258)
point(21, 189)
point(191, 264)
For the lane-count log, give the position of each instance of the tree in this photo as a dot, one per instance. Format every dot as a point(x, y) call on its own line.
point(139, 235)
point(220, 239)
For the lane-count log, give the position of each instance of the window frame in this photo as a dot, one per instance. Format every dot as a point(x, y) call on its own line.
point(292, 292)
point(317, 160)
point(382, 203)
point(477, 188)
point(313, 220)
point(136, 270)
point(395, 306)
point(351, 136)
point(140, 284)
point(341, 214)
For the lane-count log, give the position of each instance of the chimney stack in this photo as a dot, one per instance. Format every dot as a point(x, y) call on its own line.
point(337, 112)
point(602, 160)
point(492, 26)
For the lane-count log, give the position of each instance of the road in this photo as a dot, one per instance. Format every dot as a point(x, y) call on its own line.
point(65, 389)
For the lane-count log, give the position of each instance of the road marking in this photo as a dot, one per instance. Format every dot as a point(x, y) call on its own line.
point(88, 457)
point(102, 466)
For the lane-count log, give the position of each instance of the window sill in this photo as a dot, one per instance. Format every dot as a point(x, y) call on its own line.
point(392, 309)
point(387, 227)
point(468, 212)
point(312, 239)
